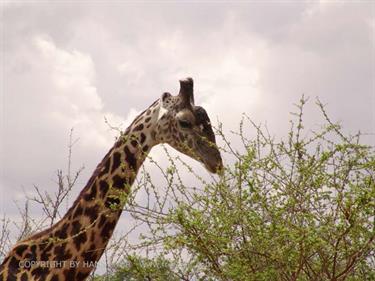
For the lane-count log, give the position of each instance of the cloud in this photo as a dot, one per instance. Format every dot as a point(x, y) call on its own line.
point(327, 56)
point(55, 93)
point(71, 71)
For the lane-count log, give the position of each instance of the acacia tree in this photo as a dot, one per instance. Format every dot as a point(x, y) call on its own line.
point(302, 208)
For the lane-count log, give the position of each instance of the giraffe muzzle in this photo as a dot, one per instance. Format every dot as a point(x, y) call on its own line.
point(214, 165)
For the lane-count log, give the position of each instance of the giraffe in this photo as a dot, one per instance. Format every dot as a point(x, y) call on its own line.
point(69, 249)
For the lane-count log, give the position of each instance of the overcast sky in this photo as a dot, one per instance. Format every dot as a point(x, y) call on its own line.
point(68, 65)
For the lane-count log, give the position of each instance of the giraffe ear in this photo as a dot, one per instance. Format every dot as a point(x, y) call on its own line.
point(187, 91)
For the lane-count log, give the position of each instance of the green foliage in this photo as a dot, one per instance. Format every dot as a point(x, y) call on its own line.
point(137, 268)
point(302, 208)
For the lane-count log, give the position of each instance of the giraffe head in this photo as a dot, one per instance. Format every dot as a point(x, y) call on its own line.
point(187, 128)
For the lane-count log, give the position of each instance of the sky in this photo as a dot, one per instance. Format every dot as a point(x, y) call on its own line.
point(71, 65)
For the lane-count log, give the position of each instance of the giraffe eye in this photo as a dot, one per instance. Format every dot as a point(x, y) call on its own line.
point(184, 124)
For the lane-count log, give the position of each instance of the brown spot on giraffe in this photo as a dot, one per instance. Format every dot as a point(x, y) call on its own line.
point(130, 158)
point(69, 274)
point(105, 168)
point(91, 212)
point(134, 143)
point(143, 138)
point(103, 186)
point(138, 128)
point(91, 194)
point(119, 182)
point(116, 161)
point(24, 277)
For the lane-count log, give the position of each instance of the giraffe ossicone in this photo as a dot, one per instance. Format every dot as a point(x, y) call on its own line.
point(69, 249)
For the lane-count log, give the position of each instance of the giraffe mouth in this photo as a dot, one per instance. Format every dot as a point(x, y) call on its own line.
point(215, 166)
point(210, 157)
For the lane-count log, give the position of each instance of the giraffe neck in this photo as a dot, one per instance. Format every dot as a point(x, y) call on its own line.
point(83, 233)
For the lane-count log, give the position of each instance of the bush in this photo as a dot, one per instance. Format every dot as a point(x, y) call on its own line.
point(294, 209)
point(139, 268)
